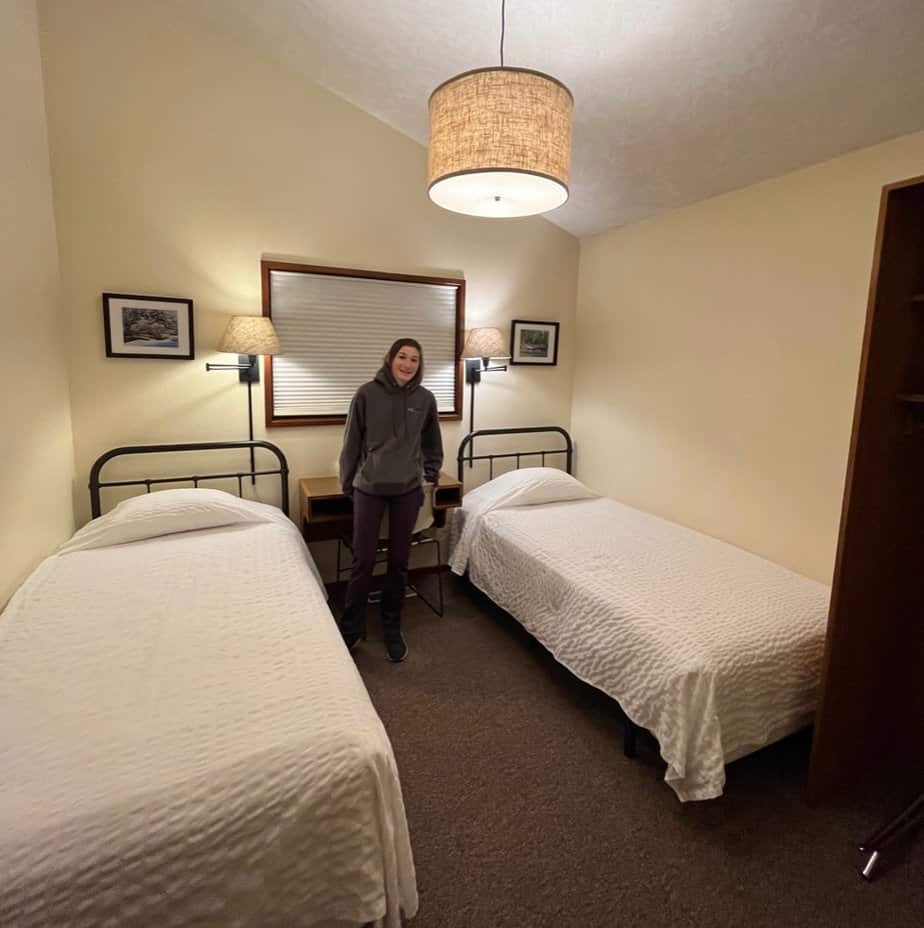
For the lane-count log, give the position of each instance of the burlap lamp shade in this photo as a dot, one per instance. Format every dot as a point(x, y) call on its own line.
point(485, 343)
point(500, 143)
point(250, 335)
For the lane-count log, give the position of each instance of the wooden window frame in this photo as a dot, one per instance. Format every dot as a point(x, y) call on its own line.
point(267, 267)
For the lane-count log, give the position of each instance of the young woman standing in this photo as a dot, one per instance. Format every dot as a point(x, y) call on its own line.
point(392, 444)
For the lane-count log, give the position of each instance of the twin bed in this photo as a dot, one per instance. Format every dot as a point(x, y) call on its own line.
point(715, 650)
point(184, 740)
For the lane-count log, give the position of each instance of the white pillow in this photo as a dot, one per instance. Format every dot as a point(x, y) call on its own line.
point(164, 513)
point(527, 486)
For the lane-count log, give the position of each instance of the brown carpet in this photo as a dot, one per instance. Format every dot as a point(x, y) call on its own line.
point(524, 812)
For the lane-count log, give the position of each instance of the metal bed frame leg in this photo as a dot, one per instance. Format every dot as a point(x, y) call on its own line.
point(876, 843)
point(630, 739)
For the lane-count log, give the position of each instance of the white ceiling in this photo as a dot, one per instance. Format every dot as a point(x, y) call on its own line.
point(675, 100)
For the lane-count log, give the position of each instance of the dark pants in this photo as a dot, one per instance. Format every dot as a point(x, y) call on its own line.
point(367, 518)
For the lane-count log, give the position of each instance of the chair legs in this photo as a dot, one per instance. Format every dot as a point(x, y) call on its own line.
point(439, 580)
point(412, 588)
point(876, 843)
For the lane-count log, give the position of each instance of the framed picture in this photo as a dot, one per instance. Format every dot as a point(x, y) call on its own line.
point(148, 326)
point(533, 342)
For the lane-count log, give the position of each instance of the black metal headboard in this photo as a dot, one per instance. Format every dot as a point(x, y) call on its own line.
point(282, 470)
point(469, 443)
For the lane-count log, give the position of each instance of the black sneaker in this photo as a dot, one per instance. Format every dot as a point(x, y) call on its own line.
point(352, 639)
point(353, 629)
point(395, 645)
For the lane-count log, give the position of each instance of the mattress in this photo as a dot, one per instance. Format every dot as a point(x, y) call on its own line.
point(184, 740)
point(713, 649)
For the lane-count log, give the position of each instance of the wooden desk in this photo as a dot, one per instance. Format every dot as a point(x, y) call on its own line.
point(324, 512)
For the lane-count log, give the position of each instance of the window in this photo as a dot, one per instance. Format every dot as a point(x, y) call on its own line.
point(335, 325)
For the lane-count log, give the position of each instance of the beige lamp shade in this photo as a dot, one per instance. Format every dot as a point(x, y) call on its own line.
point(485, 343)
point(250, 335)
point(500, 143)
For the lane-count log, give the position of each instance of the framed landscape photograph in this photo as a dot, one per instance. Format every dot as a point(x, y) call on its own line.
point(148, 326)
point(533, 342)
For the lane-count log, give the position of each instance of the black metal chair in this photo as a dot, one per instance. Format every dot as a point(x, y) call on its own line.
point(910, 818)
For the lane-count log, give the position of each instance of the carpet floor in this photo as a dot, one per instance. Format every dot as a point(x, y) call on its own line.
point(524, 812)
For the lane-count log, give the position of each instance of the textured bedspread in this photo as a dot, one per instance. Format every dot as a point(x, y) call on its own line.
point(184, 740)
point(713, 649)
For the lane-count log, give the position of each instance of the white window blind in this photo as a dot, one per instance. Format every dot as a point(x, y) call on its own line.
point(334, 331)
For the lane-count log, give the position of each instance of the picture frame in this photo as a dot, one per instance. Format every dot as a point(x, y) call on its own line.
point(148, 327)
point(533, 342)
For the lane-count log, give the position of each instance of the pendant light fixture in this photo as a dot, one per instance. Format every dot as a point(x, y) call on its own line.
point(500, 141)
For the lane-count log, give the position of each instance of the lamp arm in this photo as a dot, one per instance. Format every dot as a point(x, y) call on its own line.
point(474, 368)
point(249, 373)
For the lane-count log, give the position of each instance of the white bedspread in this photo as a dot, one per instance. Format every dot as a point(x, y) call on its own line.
point(184, 740)
point(713, 649)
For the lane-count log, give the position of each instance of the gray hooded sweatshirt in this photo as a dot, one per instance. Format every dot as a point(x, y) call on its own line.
point(392, 437)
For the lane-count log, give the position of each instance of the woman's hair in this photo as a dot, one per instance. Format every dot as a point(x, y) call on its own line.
point(405, 343)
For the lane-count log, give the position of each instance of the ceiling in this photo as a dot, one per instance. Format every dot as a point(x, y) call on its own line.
point(675, 100)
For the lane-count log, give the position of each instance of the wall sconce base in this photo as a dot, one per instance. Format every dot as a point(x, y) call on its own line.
point(473, 370)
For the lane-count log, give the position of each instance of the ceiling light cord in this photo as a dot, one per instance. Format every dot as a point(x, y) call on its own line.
point(503, 28)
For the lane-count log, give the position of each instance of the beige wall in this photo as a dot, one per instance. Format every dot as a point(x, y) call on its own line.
point(718, 345)
point(718, 355)
point(180, 158)
point(37, 463)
